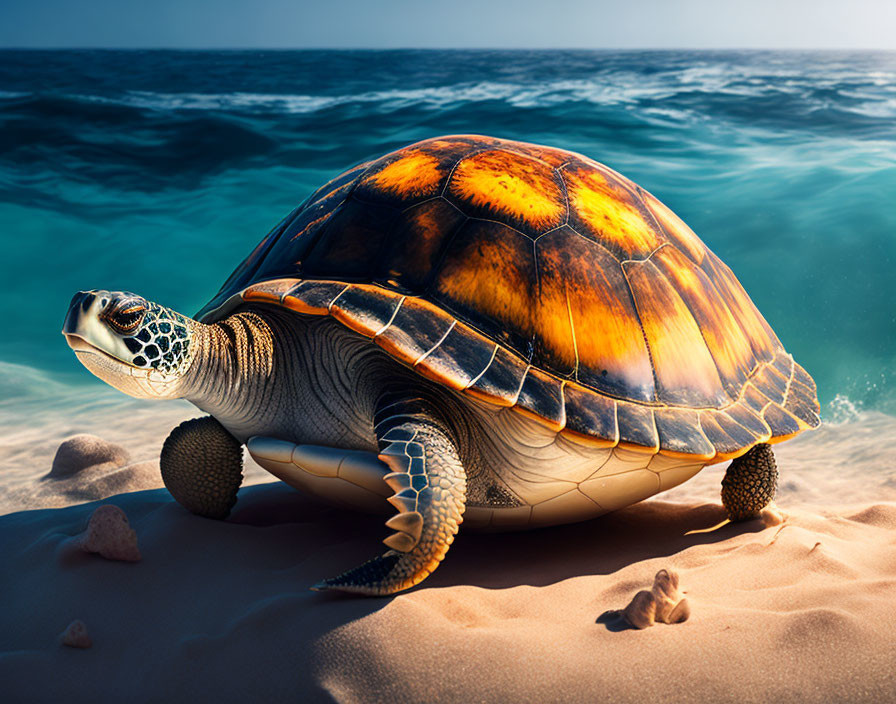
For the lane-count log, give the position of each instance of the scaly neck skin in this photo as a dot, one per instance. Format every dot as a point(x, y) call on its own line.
point(265, 371)
point(233, 366)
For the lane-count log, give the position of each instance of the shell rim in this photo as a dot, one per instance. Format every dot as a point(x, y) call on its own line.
point(234, 301)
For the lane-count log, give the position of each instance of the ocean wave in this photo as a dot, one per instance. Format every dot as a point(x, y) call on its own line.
point(861, 84)
point(226, 109)
point(116, 143)
point(712, 88)
point(514, 94)
point(180, 136)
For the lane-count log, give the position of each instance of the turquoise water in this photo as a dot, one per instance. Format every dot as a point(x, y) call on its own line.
point(157, 172)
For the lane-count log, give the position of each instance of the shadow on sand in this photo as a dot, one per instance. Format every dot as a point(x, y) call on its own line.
point(210, 596)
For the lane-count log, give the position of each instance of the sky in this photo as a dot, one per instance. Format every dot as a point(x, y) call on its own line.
point(297, 24)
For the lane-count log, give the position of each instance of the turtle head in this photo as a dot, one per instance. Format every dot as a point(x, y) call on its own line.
point(139, 347)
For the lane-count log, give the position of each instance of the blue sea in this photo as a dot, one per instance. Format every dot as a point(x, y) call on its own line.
point(158, 171)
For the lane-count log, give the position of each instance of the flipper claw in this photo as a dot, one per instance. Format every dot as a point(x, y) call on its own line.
point(400, 541)
point(410, 523)
point(404, 500)
point(408, 527)
point(398, 481)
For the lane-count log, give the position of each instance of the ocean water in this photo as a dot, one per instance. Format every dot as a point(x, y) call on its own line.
point(157, 172)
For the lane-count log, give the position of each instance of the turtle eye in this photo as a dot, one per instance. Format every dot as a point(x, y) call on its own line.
point(125, 317)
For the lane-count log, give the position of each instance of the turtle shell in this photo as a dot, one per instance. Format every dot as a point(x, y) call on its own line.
point(537, 279)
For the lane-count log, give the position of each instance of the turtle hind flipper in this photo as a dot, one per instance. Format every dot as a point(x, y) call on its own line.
point(430, 485)
point(750, 483)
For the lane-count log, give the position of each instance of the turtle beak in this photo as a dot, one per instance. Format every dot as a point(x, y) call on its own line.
point(81, 303)
point(82, 320)
point(79, 344)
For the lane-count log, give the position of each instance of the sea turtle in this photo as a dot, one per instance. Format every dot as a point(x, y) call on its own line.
point(470, 329)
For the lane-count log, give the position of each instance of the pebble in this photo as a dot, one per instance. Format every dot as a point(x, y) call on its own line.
point(110, 535)
point(76, 635)
point(81, 452)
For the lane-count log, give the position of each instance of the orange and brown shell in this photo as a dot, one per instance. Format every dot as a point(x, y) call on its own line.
point(535, 278)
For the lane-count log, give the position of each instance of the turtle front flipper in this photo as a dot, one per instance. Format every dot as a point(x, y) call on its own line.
point(202, 467)
point(430, 487)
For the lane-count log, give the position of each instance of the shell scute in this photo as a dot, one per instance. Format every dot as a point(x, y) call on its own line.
point(416, 328)
point(762, 340)
point(413, 252)
point(507, 186)
point(588, 321)
point(555, 158)
point(400, 179)
point(754, 399)
point(727, 344)
point(541, 398)
point(461, 356)
point(502, 379)
point(355, 236)
point(338, 186)
point(680, 433)
point(312, 297)
point(783, 363)
point(637, 427)
point(455, 147)
point(485, 277)
point(268, 291)
point(728, 437)
point(771, 383)
point(799, 389)
point(303, 232)
point(590, 418)
point(686, 373)
point(782, 424)
point(604, 209)
point(365, 309)
point(675, 230)
point(801, 376)
point(802, 403)
point(750, 420)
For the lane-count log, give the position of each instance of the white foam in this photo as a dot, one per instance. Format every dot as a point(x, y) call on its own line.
point(842, 410)
point(615, 87)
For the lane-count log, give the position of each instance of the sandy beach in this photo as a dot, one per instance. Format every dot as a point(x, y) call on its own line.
point(221, 611)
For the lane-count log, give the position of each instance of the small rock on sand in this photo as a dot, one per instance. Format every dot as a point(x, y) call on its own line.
point(110, 535)
point(80, 452)
point(664, 603)
point(75, 635)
